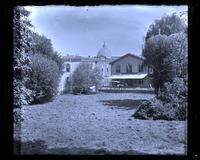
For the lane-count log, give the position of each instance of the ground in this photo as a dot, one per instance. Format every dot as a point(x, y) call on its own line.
point(100, 122)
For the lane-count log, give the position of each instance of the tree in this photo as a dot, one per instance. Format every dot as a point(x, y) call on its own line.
point(43, 45)
point(175, 93)
point(168, 55)
point(21, 61)
point(160, 49)
point(156, 55)
point(177, 46)
point(167, 25)
point(85, 76)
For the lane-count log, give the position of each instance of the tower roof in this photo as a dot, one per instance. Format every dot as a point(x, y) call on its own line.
point(104, 51)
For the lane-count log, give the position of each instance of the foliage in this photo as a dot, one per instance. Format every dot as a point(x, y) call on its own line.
point(156, 55)
point(59, 60)
point(168, 55)
point(44, 78)
point(34, 57)
point(175, 96)
point(17, 118)
point(42, 45)
point(21, 61)
point(177, 46)
point(175, 93)
point(155, 109)
point(168, 24)
point(84, 77)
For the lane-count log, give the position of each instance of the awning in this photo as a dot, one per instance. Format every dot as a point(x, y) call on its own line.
point(129, 76)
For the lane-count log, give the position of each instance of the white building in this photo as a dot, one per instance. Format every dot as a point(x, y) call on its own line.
point(101, 61)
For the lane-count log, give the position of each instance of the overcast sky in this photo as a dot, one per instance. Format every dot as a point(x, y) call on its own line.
point(82, 30)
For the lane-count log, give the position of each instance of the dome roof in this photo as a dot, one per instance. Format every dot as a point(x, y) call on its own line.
point(104, 52)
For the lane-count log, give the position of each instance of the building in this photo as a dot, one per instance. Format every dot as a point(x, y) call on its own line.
point(101, 61)
point(127, 69)
point(130, 71)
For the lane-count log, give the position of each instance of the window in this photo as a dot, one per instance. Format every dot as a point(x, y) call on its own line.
point(140, 68)
point(107, 69)
point(67, 67)
point(128, 68)
point(118, 69)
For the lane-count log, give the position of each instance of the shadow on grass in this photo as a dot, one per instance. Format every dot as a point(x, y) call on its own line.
point(29, 147)
point(86, 151)
point(38, 147)
point(123, 104)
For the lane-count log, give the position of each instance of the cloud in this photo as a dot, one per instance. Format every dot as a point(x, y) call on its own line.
point(82, 30)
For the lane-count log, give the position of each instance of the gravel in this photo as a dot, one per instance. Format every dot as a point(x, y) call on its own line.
point(82, 121)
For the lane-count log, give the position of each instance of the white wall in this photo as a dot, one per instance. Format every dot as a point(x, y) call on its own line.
point(100, 65)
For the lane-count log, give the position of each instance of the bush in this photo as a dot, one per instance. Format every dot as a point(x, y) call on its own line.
point(150, 110)
point(157, 110)
point(44, 79)
point(175, 97)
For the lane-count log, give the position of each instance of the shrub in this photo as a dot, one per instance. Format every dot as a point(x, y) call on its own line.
point(157, 110)
point(44, 79)
point(150, 110)
point(175, 97)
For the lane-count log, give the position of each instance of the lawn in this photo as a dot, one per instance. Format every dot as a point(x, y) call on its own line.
point(98, 124)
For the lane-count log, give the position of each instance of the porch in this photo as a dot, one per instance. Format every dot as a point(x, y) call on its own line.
point(130, 81)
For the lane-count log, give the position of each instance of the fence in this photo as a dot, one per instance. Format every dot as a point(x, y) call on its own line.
point(126, 90)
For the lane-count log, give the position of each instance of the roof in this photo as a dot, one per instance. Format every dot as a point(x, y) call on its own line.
point(128, 54)
point(129, 76)
point(104, 52)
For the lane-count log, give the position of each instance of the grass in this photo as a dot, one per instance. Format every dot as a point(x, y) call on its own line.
point(123, 104)
point(67, 125)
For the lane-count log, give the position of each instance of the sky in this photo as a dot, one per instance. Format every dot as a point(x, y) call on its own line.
point(82, 30)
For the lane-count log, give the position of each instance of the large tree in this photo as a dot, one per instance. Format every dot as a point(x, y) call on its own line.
point(43, 45)
point(157, 52)
point(167, 25)
point(21, 61)
point(156, 55)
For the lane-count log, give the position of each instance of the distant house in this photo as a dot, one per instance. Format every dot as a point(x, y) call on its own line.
point(130, 71)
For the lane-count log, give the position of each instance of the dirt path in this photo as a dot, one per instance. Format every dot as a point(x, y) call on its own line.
point(75, 121)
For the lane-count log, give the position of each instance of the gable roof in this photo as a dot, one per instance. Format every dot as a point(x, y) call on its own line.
point(128, 54)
